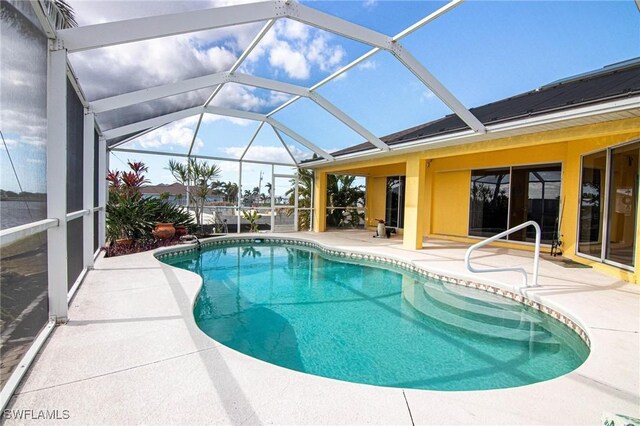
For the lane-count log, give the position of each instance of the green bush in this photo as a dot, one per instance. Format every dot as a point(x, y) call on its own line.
point(130, 215)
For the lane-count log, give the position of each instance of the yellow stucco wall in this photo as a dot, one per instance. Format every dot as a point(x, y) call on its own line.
point(442, 207)
point(375, 201)
point(450, 218)
point(451, 182)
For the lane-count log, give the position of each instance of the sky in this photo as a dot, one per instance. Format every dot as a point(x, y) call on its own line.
point(482, 51)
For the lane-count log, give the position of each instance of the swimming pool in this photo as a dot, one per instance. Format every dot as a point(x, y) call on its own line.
point(357, 320)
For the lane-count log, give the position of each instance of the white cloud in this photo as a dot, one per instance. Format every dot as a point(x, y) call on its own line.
point(325, 56)
point(368, 65)
point(176, 134)
point(35, 161)
point(120, 69)
point(293, 30)
point(290, 48)
point(293, 62)
point(274, 153)
point(426, 96)
point(296, 49)
point(369, 4)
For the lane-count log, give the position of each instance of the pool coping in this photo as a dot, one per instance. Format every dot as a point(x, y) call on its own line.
point(495, 288)
point(130, 307)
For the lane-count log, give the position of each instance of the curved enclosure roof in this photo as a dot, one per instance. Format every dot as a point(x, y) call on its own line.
point(283, 82)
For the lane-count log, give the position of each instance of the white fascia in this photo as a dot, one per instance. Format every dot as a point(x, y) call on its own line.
point(495, 131)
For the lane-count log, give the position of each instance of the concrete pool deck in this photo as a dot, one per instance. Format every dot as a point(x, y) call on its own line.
point(131, 353)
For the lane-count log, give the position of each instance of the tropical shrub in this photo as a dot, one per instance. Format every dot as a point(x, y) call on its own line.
point(252, 216)
point(132, 216)
point(305, 186)
point(341, 193)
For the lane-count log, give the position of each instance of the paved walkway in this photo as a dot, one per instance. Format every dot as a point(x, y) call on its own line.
point(132, 354)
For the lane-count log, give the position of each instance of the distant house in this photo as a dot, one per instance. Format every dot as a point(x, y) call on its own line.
point(177, 193)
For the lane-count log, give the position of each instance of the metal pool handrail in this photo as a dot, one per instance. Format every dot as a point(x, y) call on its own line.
point(536, 256)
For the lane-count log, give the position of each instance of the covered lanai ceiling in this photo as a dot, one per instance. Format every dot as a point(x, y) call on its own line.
point(134, 110)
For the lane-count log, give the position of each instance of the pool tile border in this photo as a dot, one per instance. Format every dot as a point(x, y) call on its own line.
point(174, 251)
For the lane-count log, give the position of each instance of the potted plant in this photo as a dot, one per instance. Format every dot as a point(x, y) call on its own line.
point(164, 231)
point(172, 220)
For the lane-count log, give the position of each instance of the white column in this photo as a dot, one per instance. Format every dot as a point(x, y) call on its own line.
point(295, 209)
point(87, 188)
point(103, 166)
point(312, 203)
point(273, 199)
point(239, 196)
point(57, 181)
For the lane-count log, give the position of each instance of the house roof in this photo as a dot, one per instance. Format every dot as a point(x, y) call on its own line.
point(173, 189)
point(616, 81)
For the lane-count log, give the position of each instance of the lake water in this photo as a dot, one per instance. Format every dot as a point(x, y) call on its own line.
point(16, 213)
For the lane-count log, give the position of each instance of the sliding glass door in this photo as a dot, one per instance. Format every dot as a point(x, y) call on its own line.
point(489, 206)
point(394, 209)
point(592, 204)
point(623, 205)
point(609, 205)
point(503, 198)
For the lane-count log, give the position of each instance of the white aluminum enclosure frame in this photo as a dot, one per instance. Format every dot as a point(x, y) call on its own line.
point(295, 177)
point(132, 30)
point(111, 34)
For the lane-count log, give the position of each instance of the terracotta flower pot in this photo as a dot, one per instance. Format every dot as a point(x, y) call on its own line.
point(164, 231)
point(124, 242)
point(181, 230)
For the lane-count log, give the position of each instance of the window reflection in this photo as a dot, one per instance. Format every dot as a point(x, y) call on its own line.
point(489, 202)
point(23, 116)
point(591, 203)
point(623, 204)
point(394, 211)
point(504, 198)
point(535, 195)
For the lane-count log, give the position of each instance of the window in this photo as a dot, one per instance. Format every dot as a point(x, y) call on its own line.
point(504, 198)
point(609, 205)
point(489, 202)
point(394, 209)
point(591, 203)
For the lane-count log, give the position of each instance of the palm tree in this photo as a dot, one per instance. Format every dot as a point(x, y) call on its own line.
point(66, 13)
point(341, 193)
point(198, 177)
point(305, 187)
point(231, 192)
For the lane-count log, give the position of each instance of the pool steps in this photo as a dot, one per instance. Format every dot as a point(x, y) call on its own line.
point(497, 314)
point(418, 298)
point(380, 260)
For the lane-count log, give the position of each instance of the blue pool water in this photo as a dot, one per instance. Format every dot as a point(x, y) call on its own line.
point(295, 307)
